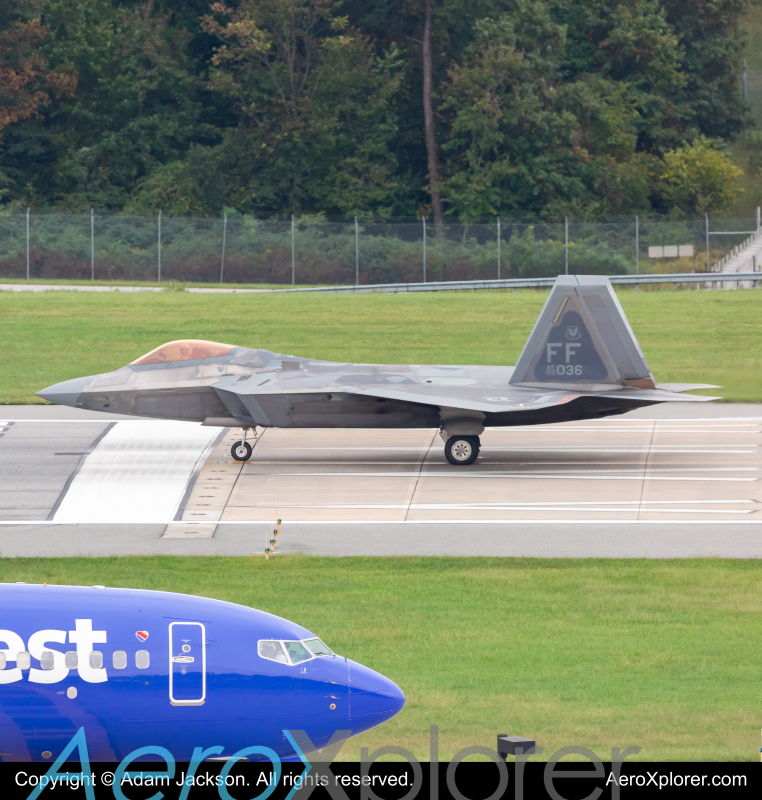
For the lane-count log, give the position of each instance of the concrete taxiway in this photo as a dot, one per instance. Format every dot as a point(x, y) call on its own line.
point(668, 481)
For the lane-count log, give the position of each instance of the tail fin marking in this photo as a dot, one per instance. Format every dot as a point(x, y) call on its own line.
point(582, 339)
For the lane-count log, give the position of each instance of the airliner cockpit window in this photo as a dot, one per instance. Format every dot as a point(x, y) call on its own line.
point(297, 652)
point(184, 350)
point(318, 648)
point(272, 651)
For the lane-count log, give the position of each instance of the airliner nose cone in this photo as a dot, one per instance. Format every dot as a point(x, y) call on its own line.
point(64, 394)
point(373, 699)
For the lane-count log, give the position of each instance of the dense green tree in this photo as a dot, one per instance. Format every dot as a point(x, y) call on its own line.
point(711, 40)
point(316, 104)
point(369, 107)
point(696, 178)
point(26, 82)
point(522, 142)
point(134, 109)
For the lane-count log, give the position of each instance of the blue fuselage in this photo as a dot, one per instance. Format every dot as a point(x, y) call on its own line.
point(140, 668)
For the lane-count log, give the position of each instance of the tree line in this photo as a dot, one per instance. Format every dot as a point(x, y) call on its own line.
point(374, 108)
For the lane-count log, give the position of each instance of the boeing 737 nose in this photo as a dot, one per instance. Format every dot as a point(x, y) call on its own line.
point(64, 394)
point(373, 699)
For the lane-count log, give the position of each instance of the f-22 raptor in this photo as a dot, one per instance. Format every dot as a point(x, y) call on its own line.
point(581, 361)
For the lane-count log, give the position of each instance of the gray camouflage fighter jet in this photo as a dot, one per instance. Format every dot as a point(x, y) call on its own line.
point(581, 361)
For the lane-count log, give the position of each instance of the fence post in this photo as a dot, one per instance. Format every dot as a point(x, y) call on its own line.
point(293, 258)
point(224, 237)
point(424, 249)
point(637, 250)
point(758, 219)
point(706, 218)
point(158, 278)
point(498, 248)
point(357, 254)
point(27, 243)
point(92, 245)
point(566, 245)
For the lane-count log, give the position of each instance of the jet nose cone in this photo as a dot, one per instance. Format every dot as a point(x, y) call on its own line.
point(64, 394)
point(373, 699)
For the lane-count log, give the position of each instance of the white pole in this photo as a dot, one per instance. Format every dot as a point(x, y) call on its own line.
point(224, 236)
point(357, 254)
point(566, 245)
point(758, 219)
point(293, 258)
point(637, 250)
point(92, 245)
point(637, 245)
point(27, 244)
point(498, 248)
point(706, 217)
point(158, 278)
point(424, 249)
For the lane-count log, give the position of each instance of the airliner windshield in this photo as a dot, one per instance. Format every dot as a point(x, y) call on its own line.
point(293, 652)
point(318, 648)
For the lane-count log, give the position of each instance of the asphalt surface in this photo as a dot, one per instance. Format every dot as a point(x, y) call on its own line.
point(669, 481)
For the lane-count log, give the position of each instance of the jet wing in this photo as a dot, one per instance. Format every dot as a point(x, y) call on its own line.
point(472, 398)
point(469, 398)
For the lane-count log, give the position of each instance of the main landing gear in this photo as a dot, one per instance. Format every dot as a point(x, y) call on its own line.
point(462, 450)
point(241, 450)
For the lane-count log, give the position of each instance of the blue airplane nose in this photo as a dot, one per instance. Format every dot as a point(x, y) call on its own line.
point(64, 394)
point(373, 699)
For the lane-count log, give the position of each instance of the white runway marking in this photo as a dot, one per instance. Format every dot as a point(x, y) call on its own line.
point(136, 473)
point(706, 448)
point(633, 507)
point(44, 523)
point(565, 476)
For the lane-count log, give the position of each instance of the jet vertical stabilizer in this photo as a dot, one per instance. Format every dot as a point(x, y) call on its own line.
point(582, 341)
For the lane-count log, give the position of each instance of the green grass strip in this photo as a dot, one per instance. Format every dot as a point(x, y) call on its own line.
point(687, 336)
point(663, 655)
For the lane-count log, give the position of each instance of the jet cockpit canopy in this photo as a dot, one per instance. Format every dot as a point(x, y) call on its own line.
point(184, 350)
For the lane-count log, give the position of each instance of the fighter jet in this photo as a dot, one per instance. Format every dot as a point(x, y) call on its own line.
point(581, 361)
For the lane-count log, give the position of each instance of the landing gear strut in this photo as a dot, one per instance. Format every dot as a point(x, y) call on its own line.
point(241, 450)
point(462, 450)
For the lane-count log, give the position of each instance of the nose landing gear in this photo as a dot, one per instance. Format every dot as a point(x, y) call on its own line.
point(462, 450)
point(241, 450)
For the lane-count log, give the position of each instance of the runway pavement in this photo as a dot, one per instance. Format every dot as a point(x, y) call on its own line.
point(659, 482)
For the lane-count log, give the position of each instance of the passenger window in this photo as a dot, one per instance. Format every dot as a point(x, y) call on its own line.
point(318, 648)
point(119, 659)
point(71, 660)
point(46, 659)
point(297, 652)
point(23, 660)
point(142, 659)
point(272, 651)
point(2, 660)
point(96, 659)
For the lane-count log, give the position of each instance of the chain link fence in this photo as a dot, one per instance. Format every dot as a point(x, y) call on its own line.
point(238, 249)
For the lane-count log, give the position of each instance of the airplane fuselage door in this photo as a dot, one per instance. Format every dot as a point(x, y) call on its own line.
point(187, 664)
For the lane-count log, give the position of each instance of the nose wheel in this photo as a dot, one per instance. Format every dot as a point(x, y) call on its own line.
point(241, 451)
point(462, 450)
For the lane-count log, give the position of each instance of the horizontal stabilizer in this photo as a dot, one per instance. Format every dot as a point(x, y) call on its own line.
point(685, 387)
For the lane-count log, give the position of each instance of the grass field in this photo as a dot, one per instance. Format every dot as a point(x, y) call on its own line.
point(687, 336)
point(663, 655)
